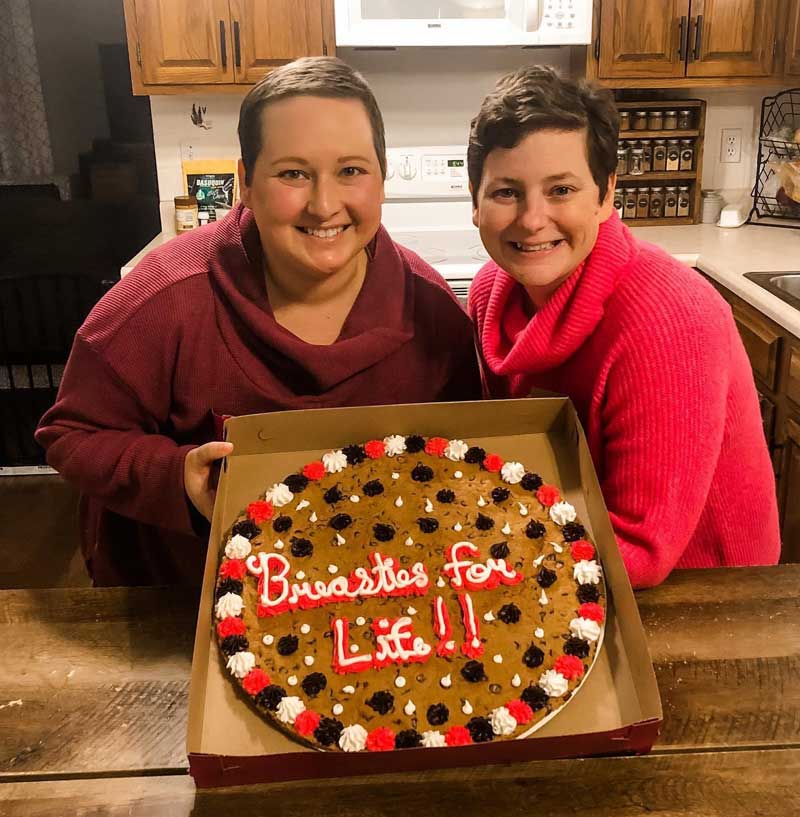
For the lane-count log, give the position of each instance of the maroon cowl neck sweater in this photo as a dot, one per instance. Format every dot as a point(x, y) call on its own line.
point(189, 336)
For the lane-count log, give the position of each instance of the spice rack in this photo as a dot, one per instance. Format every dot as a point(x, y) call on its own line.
point(687, 177)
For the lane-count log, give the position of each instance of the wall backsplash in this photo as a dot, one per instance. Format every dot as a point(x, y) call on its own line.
point(428, 96)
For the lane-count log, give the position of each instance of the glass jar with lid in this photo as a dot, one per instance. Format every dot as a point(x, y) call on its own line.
point(673, 154)
point(622, 159)
point(687, 154)
point(643, 202)
point(659, 155)
point(629, 202)
point(684, 202)
point(186, 213)
point(670, 120)
point(636, 160)
point(655, 120)
point(670, 202)
point(619, 201)
point(656, 202)
point(639, 120)
point(624, 120)
point(647, 150)
point(685, 119)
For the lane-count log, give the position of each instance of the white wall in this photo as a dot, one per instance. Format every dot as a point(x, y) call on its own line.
point(67, 33)
point(428, 97)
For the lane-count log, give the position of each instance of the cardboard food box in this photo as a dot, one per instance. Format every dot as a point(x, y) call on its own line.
point(617, 708)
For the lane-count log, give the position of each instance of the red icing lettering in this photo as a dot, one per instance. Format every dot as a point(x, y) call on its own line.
point(466, 573)
point(442, 628)
point(472, 646)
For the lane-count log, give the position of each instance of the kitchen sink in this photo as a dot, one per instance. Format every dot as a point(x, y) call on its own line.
point(784, 285)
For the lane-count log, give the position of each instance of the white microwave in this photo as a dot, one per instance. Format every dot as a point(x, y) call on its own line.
point(394, 23)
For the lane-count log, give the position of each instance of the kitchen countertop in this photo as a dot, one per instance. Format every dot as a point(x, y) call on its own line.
point(94, 683)
point(723, 254)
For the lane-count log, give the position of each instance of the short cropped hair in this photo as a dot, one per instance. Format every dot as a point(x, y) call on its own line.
point(537, 98)
point(310, 76)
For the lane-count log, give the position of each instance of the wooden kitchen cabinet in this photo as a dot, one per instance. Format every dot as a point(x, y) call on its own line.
point(774, 355)
point(182, 46)
point(645, 44)
point(791, 64)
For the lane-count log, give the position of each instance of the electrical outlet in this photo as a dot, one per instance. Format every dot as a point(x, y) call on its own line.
point(731, 145)
point(187, 151)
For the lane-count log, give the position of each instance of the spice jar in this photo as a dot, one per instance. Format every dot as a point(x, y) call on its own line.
point(643, 202)
point(639, 120)
point(655, 120)
point(619, 201)
point(624, 120)
point(656, 202)
point(670, 120)
point(629, 203)
point(683, 200)
point(684, 120)
point(670, 202)
point(659, 155)
point(636, 161)
point(687, 154)
point(647, 148)
point(673, 154)
point(622, 160)
point(185, 213)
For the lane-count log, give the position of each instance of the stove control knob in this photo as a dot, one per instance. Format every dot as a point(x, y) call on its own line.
point(407, 168)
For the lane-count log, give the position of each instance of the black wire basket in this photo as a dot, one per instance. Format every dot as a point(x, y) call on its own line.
point(780, 117)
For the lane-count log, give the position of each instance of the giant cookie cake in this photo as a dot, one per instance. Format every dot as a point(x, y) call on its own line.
point(409, 592)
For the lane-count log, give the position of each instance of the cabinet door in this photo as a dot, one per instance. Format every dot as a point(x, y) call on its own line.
point(733, 38)
point(767, 408)
point(762, 343)
point(640, 38)
point(792, 64)
point(184, 42)
point(268, 33)
point(790, 491)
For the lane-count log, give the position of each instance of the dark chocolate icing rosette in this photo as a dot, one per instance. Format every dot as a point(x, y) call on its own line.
point(409, 592)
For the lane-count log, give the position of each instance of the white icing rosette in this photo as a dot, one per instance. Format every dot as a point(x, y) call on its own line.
point(240, 663)
point(554, 683)
point(353, 738)
point(585, 628)
point(238, 547)
point(289, 707)
point(562, 512)
point(512, 472)
point(334, 461)
point(231, 604)
point(279, 495)
point(456, 450)
point(433, 739)
point(587, 572)
point(503, 722)
point(395, 445)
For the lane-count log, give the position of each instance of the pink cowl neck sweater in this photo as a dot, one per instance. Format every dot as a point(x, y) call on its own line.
point(650, 356)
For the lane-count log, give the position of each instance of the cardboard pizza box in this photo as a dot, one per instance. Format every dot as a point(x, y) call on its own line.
point(616, 710)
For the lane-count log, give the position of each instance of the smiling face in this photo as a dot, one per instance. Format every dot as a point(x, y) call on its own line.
point(316, 188)
point(538, 209)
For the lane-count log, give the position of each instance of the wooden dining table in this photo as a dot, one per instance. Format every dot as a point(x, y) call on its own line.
point(93, 707)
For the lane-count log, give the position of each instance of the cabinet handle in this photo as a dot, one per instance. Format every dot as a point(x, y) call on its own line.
point(237, 47)
point(683, 32)
point(698, 36)
point(223, 44)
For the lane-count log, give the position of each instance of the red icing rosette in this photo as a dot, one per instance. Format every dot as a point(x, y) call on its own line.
point(457, 736)
point(548, 495)
point(231, 626)
point(260, 511)
point(380, 739)
point(306, 722)
point(493, 463)
point(232, 569)
point(520, 711)
point(569, 666)
point(314, 470)
point(436, 446)
point(592, 611)
point(375, 449)
point(582, 550)
point(255, 681)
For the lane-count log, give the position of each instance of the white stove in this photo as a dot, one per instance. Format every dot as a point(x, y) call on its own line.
point(428, 209)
